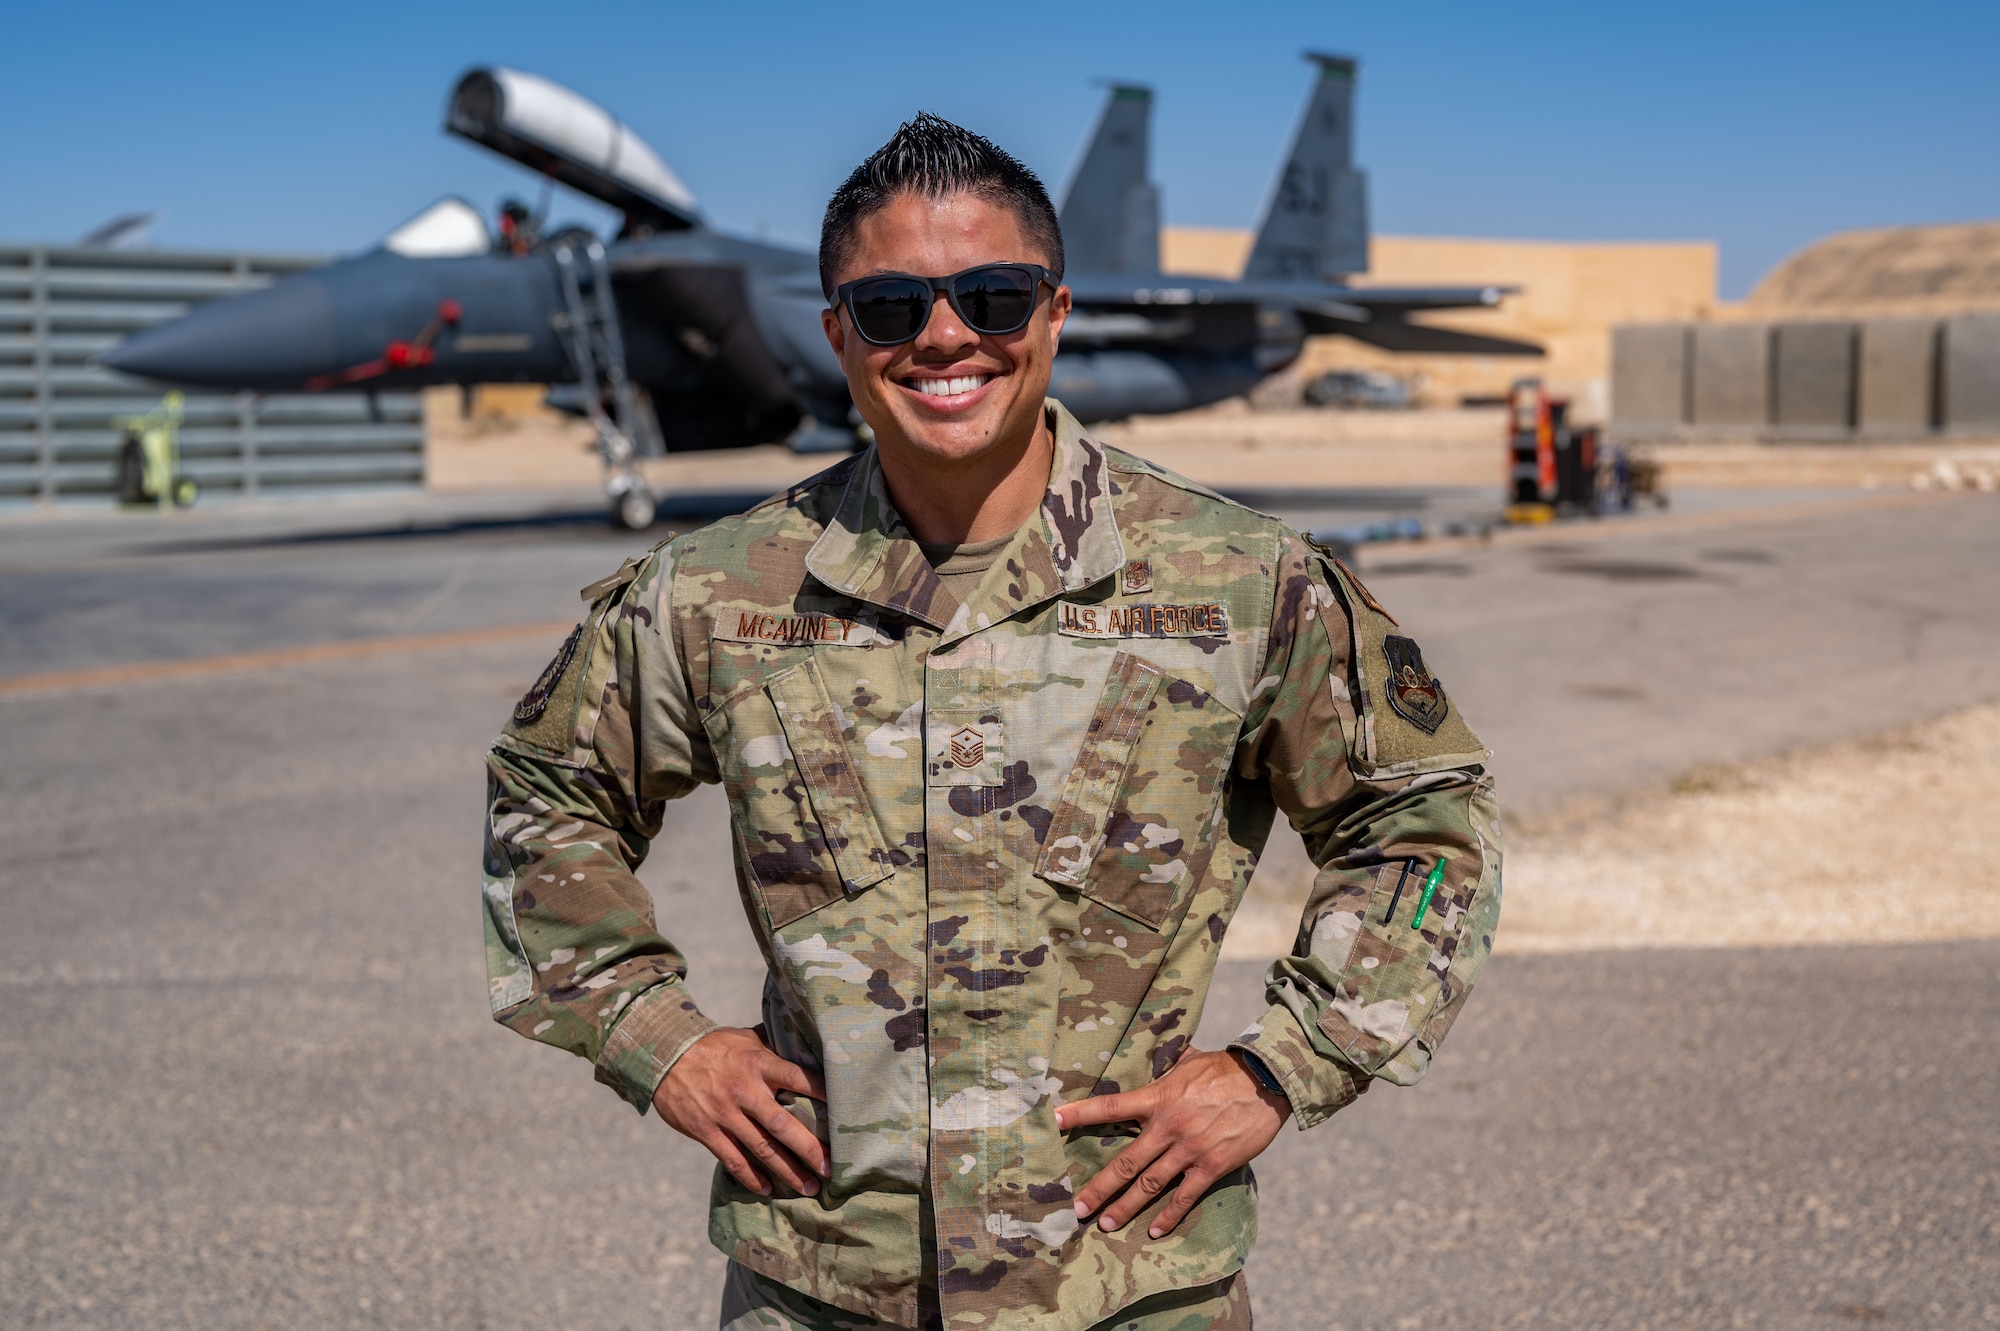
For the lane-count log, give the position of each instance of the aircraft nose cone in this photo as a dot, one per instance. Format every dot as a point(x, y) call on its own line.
point(271, 339)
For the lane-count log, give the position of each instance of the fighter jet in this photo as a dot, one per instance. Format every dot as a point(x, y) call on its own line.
point(1142, 341)
point(673, 335)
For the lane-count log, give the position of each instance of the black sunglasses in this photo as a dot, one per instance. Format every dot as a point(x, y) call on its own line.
point(994, 299)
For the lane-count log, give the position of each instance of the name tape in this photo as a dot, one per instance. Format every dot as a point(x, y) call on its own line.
point(794, 630)
point(1143, 621)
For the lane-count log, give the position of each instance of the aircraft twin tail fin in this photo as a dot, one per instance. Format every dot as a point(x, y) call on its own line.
point(1316, 226)
point(1110, 215)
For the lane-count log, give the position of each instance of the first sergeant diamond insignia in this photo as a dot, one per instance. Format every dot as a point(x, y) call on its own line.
point(536, 700)
point(967, 747)
point(1412, 690)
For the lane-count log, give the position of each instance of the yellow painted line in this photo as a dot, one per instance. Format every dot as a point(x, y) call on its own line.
point(152, 672)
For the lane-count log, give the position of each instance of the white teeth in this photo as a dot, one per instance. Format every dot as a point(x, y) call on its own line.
point(964, 383)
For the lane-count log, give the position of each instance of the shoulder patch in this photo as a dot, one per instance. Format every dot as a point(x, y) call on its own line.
point(536, 700)
point(1410, 687)
point(1407, 721)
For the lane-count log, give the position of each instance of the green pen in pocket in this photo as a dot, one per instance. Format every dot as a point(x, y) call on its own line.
point(1430, 890)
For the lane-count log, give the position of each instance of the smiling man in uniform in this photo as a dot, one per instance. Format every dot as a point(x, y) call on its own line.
point(1004, 717)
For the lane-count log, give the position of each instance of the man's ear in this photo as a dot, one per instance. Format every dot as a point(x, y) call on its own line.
point(1059, 305)
point(836, 336)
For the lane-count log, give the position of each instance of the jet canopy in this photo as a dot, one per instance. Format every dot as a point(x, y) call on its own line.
point(451, 228)
point(552, 130)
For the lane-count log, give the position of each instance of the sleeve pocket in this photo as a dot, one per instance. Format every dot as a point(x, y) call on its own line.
point(1408, 724)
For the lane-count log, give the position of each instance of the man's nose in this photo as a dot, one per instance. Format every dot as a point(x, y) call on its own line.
point(944, 330)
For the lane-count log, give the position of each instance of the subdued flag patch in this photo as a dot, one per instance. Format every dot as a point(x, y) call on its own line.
point(536, 700)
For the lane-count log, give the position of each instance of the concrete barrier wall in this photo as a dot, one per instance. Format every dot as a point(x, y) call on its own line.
point(1827, 380)
point(1649, 376)
point(1812, 380)
point(1897, 394)
point(1971, 374)
point(1731, 384)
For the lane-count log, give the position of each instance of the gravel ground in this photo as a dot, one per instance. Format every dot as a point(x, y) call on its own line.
point(1890, 839)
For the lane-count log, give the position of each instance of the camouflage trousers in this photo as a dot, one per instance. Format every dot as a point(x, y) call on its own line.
point(751, 1302)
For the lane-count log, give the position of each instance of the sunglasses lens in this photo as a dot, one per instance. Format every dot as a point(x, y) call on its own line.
point(890, 309)
point(995, 300)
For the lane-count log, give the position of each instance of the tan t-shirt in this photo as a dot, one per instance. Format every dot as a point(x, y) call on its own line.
point(960, 567)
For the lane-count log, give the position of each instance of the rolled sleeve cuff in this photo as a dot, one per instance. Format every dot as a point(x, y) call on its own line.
point(1317, 1086)
point(649, 1038)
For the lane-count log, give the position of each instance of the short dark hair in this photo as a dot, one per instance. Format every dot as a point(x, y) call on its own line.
point(929, 155)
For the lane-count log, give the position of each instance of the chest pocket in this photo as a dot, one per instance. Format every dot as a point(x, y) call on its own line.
point(1132, 827)
point(806, 829)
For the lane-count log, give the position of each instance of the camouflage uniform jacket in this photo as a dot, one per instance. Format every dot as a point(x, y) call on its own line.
point(989, 851)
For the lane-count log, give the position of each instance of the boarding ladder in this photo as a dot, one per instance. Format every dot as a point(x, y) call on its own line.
point(597, 350)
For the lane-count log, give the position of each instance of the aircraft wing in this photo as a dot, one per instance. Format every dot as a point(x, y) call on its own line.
point(1397, 334)
point(1375, 315)
point(1404, 300)
point(1384, 322)
point(1358, 303)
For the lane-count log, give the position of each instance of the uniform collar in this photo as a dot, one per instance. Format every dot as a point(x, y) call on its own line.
point(1071, 543)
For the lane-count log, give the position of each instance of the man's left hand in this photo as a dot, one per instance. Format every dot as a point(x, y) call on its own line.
point(1206, 1118)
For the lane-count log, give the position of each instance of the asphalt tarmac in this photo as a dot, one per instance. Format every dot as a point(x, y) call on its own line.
point(247, 1077)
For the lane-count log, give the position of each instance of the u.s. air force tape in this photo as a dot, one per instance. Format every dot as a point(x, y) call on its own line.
point(1147, 620)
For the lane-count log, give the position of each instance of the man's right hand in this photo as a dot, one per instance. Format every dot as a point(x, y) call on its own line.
point(723, 1092)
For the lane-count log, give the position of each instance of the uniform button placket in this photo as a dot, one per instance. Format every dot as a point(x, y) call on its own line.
point(956, 884)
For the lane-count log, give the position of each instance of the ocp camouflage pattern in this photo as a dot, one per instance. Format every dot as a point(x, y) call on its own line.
point(753, 1302)
point(965, 932)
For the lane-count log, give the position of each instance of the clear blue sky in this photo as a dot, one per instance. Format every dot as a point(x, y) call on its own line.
point(1760, 125)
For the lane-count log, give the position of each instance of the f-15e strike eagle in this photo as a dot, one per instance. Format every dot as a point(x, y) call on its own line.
point(675, 336)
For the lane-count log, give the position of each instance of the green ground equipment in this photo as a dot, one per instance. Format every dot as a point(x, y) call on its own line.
point(149, 459)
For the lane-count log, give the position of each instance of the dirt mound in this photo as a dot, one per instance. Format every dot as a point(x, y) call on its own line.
point(1912, 270)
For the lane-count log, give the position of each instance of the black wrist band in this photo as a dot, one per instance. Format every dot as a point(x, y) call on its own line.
point(1261, 1073)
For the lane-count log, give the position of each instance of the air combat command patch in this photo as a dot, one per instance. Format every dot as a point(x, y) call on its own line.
point(536, 700)
point(1412, 690)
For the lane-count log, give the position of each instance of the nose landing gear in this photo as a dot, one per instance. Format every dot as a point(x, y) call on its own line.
point(632, 504)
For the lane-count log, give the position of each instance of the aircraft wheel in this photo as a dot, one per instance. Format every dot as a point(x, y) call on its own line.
point(634, 510)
